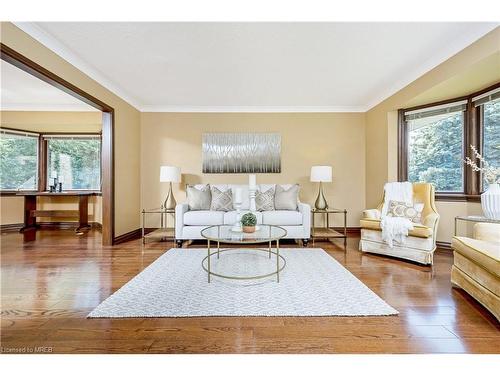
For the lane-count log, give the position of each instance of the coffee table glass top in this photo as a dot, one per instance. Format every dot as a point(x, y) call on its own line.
point(223, 233)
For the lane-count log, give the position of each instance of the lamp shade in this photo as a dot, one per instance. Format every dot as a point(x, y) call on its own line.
point(170, 174)
point(321, 173)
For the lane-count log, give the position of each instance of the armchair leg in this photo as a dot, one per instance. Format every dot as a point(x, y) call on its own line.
point(179, 243)
point(305, 241)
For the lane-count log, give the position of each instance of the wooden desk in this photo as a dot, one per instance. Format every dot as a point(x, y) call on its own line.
point(31, 213)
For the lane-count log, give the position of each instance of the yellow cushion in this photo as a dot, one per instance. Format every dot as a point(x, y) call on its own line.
point(418, 230)
point(487, 232)
point(486, 254)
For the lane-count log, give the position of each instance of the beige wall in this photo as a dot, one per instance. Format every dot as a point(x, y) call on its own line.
point(336, 139)
point(11, 208)
point(472, 69)
point(127, 124)
point(51, 121)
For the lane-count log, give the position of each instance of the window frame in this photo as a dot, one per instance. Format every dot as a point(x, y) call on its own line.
point(43, 159)
point(472, 135)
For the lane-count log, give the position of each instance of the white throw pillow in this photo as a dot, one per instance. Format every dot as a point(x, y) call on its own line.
point(198, 198)
point(413, 212)
point(264, 201)
point(286, 199)
point(221, 200)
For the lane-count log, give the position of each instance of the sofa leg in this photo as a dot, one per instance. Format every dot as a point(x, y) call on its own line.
point(179, 243)
point(305, 241)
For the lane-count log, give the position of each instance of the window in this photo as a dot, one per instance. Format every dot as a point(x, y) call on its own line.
point(18, 161)
point(29, 161)
point(435, 143)
point(435, 139)
point(75, 161)
point(489, 107)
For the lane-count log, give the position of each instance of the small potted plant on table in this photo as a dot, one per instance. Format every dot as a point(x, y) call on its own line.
point(248, 221)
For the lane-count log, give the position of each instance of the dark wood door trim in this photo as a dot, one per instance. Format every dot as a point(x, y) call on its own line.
point(22, 62)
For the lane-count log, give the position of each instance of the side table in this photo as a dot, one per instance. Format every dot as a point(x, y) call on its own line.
point(474, 219)
point(163, 232)
point(327, 231)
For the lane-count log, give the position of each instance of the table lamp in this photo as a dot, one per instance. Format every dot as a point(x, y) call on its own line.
point(321, 173)
point(170, 174)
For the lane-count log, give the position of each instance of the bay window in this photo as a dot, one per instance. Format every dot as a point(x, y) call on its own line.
point(434, 140)
point(30, 161)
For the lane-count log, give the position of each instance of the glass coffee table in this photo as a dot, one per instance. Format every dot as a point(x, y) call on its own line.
point(266, 234)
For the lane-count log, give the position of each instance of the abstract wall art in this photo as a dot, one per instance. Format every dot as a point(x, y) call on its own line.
point(241, 153)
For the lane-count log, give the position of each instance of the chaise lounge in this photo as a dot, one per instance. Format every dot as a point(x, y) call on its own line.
point(476, 265)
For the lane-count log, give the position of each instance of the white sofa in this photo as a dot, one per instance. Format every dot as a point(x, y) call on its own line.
point(189, 224)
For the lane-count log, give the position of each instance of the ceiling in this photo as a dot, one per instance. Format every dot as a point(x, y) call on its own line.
point(478, 76)
point(20, 91)
point(255, 67)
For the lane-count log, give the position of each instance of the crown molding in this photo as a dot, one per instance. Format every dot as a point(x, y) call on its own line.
point(25, 107)
point(458, 44)
point(252, 109)
point(67, 54)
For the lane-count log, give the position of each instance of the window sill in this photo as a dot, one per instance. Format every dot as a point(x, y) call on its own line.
point(457, 197)
point(91, 192)
point(15, 192)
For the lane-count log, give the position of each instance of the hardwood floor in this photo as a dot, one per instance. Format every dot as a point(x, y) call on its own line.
point(50, 285)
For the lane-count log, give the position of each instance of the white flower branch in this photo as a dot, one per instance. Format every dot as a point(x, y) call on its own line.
point(491, 174)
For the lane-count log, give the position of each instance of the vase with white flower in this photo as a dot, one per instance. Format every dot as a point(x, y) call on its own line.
point(490, 199)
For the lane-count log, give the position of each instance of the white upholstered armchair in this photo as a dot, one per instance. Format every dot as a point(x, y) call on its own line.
point(421, 241)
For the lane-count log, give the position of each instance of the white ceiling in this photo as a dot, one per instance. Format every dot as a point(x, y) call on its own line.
point(21, 91)
point(255, 66)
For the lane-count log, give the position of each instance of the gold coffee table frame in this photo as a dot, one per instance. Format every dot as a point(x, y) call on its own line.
point(244, 240)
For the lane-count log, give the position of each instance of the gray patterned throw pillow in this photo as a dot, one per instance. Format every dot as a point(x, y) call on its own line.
point(286, 199)
point(264, 201)
point(199, 199)
point(221, 200)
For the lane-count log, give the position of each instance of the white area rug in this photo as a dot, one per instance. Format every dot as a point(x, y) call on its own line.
point(175, 285)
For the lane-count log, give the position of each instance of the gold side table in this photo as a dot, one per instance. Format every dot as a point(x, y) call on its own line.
point(327, 231)
point(163, 232)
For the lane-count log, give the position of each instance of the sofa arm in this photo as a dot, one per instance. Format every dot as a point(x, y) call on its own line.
point(371, 214)
point(431, 220)
point(489, 232)
point(305, 210)
point(180, 210)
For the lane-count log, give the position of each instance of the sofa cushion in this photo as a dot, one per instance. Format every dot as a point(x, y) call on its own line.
point(204, 218)
point(198, 198)
point(264, 200)
point(417, 231)
point(221, 200)
point(286, 199)
point(230, 217)
point(486, 254)
point(282, 217)
point(487, 232)
point(244, 193)
point(412, 212)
